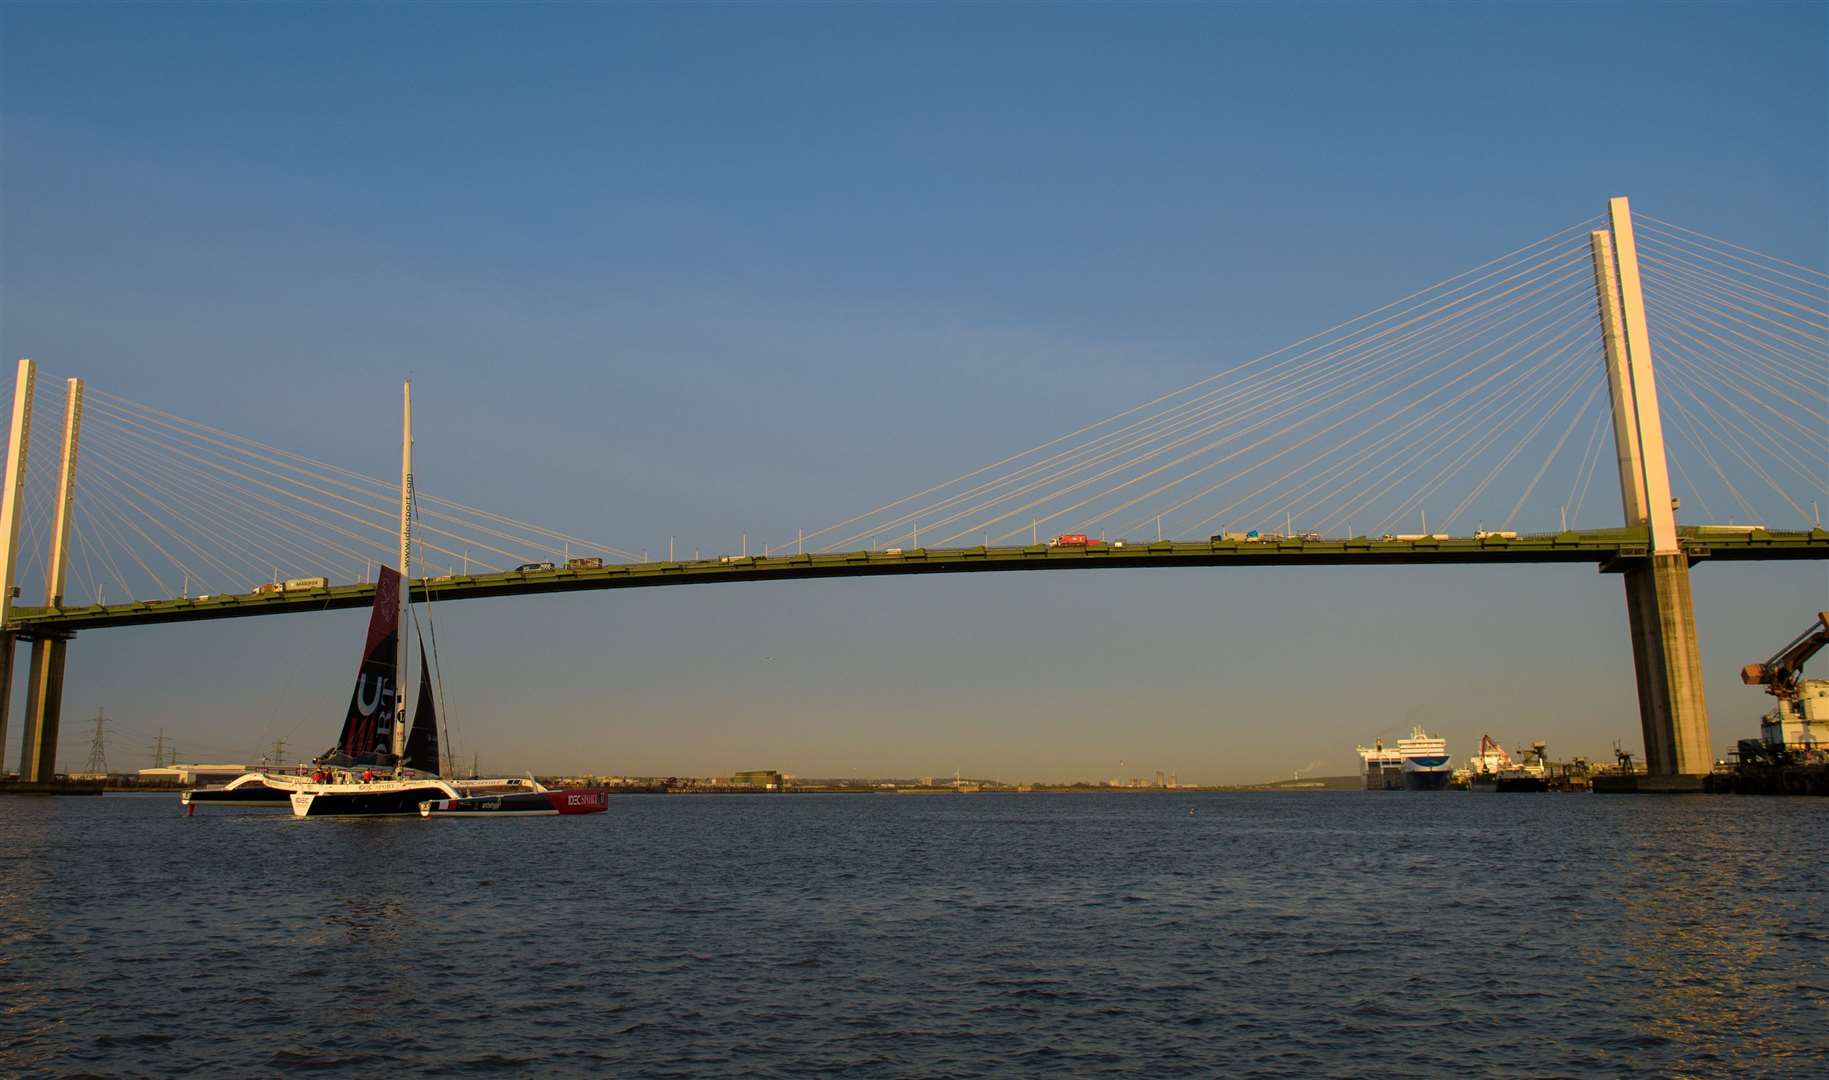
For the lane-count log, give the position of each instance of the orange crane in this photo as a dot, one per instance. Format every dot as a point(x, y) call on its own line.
point(1780, 674)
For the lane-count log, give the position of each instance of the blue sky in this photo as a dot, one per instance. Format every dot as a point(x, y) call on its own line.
point(708, 270)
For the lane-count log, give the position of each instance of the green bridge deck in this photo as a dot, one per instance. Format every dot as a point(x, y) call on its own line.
point(1607, 549)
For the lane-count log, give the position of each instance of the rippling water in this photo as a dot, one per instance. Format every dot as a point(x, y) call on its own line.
point(1250, 935)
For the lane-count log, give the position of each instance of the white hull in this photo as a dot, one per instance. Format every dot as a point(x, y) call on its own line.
point(394, 798)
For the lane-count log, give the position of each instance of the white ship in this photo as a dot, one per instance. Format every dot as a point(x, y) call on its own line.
point(1383, 769)
point(1425, 761)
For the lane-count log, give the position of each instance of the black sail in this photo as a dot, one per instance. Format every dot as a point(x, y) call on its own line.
point(368, 726)
point(422, 741)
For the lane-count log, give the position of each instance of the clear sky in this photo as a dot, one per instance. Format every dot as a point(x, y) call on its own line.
point(713, 269)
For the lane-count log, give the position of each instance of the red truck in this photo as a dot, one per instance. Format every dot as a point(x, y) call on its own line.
point(1074, 540)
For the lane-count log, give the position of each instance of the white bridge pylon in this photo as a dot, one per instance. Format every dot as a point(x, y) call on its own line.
point(1666, 656)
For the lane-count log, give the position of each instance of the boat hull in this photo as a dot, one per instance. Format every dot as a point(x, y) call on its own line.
point(1422, 780)
point(252, 795)
point(255, 791)
point(520, 804)
point(382, 799)
point(1509, 783)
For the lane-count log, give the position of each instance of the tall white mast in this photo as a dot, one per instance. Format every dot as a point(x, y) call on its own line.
point(406, 590)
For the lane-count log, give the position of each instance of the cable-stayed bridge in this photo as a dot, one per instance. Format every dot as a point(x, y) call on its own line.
point(1466, 422)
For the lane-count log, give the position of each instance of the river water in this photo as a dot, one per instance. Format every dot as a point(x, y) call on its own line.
point(1316, 934)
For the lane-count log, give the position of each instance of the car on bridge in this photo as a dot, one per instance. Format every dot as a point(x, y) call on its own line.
point(529, 566)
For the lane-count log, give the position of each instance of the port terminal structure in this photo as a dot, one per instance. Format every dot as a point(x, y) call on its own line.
point(1649, 551)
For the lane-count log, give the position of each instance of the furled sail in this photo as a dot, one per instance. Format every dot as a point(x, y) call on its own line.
point(368, 727)
point(422, 741)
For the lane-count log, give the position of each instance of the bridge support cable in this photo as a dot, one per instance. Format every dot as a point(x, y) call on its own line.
point(1811, 277)
point(248, 458)
point(1770, 442)
point(1354, 464)
point(120, 496)
point(1319, 395)
point(318, 496)
point(1789, 343)
point(1735, 438)
point(1412, 393)
point(1360, 494)
point(1226, 378)
point(1780, 402)
point(264, 502)
point(1798, 300)
point(1794, 323)
point(125, 474)
point(230, 445)
point(1288, 414)
point(1483, 436)
point(1350, 455)
point(1537, 477)
point(1412, 398)
point(1300, 408)
point(1701, 445)
point(1243, 379)
point(97, 563)
point(243, 521)
point(1746, 337)
point(176, 498)
point(1362, 477)
point(1776, 349)
point(1590, 464)
point(1175, 428)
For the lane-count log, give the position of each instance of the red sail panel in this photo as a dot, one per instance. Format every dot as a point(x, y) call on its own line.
point(368, 727)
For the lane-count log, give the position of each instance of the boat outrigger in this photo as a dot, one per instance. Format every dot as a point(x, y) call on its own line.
point(540, 803)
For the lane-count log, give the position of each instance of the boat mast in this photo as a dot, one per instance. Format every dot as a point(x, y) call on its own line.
point(406, 588)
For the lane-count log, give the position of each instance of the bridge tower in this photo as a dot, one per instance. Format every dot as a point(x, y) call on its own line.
point(1666, 656)
point(12, 500)
point(44, 693)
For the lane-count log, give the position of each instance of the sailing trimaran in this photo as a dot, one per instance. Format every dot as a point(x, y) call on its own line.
point(377, 768)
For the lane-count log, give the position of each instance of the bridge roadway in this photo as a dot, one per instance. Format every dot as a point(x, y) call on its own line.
point(1609, 549)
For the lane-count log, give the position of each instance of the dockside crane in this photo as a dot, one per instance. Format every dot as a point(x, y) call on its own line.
point(1781, 674)
point(1793, 733)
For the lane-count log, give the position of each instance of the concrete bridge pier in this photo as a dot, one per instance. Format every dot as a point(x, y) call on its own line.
point(43, 709)
point(1673, 714)
point(7, 640)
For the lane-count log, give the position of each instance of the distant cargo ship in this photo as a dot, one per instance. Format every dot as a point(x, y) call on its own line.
point(1418, 763)
point(1494, 770)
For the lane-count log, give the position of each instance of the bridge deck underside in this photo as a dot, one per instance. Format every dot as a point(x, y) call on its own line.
point(1609, 550)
